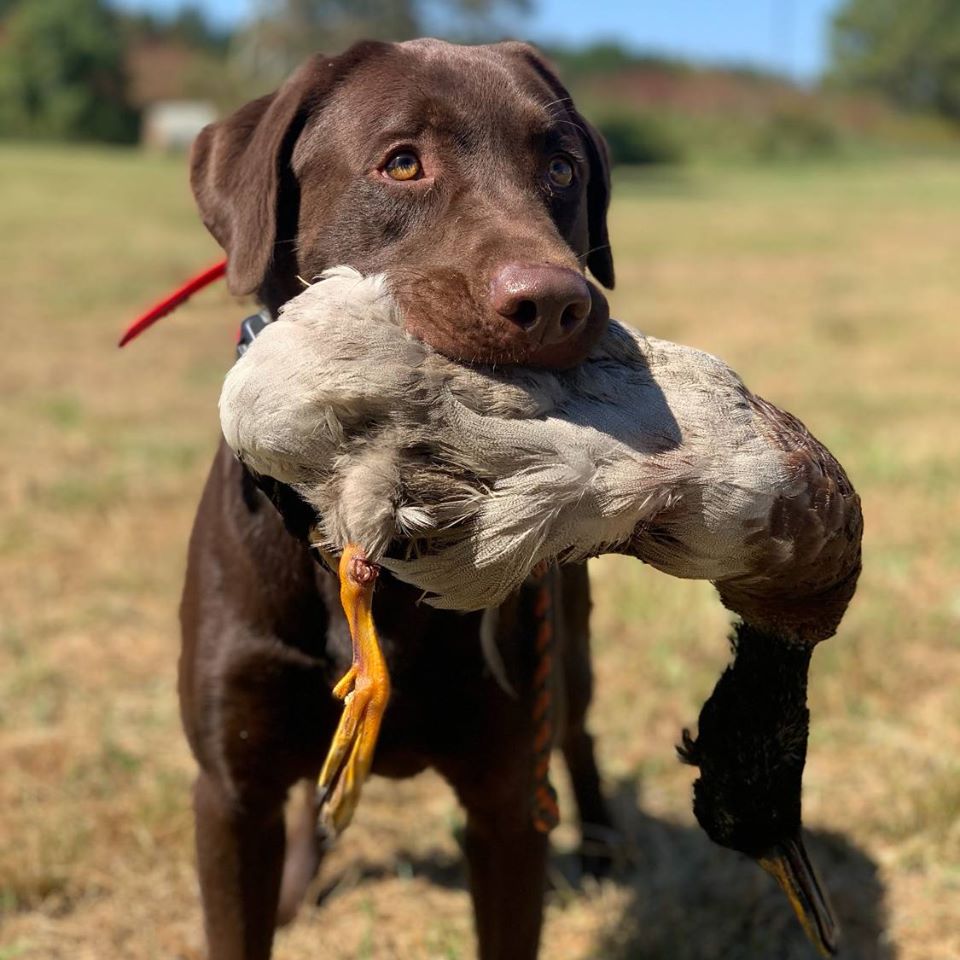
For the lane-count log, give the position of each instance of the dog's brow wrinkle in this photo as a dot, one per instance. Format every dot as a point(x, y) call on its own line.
point(571, 123)
point(555, 113)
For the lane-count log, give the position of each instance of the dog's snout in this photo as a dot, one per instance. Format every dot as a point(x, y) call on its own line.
point(548, 303)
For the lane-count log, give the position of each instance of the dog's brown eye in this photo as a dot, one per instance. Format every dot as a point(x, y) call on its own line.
point(403, 166)
point(560, 171)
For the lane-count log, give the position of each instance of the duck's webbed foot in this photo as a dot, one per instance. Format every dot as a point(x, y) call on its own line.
point(364, 689)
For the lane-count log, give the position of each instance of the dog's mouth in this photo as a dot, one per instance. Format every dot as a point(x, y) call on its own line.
point(443, 311)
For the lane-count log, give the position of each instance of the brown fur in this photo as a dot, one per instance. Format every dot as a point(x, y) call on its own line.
point(484, 122)
point(289, 185)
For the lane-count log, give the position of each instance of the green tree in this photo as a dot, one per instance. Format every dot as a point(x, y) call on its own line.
point(62, 72)
point(608, 57)
point(187, 25)
point(908, 50)
point(284, 32)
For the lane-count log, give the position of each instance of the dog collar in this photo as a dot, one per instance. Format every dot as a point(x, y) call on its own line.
point(250, 327)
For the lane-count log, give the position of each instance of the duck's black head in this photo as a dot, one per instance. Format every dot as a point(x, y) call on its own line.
point(751, 748)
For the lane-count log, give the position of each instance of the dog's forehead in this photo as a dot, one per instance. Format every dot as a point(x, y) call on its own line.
point(496, 76)
point(409, 86)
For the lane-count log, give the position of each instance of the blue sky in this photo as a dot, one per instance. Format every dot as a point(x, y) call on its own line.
point(786, 35)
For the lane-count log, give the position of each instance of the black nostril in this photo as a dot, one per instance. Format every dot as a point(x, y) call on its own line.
point(571, 317)
point(545, 302)
point(526, 315)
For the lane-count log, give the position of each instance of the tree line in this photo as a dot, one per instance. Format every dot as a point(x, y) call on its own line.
point(65, 71)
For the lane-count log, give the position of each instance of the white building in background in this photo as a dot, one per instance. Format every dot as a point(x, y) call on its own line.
point(173, 124)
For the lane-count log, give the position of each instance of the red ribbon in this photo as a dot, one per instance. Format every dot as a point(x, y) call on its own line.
point(170, 303)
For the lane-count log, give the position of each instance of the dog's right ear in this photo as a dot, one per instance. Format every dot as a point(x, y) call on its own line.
point(238, 165)
point(599, 256)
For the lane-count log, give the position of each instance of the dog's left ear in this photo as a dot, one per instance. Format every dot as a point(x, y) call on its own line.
point(600, 257)
point(240, 169)
point(237, 166)
point(599, 254)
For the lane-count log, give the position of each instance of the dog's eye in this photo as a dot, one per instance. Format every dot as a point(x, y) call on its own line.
point(403, 165)
point(560, 171)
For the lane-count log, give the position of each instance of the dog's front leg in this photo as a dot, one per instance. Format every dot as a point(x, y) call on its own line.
point(507, 864)
point(600, 839)
point(240, 862)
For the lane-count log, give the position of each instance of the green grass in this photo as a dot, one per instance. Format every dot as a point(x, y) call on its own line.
point(832, 289)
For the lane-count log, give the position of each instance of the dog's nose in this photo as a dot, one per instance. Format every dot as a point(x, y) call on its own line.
point(549, 303)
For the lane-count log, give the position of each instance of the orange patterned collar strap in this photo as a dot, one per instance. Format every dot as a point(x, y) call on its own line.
point(546, 813)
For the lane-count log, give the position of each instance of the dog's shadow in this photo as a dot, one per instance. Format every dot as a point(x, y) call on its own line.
point(680, 897)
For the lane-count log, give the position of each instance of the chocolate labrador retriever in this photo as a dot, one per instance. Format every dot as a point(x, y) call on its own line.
point(466, 176)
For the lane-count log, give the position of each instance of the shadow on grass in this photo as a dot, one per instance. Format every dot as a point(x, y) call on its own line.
point(687, 899)
point(691, 900)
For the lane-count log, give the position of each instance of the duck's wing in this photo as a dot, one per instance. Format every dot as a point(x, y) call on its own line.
point(808, 560)
point(772, 520)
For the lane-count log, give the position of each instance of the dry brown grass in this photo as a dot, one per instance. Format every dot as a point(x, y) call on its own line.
point(834, 291)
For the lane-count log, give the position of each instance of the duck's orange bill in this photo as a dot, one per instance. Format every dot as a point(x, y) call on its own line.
point(790, 866)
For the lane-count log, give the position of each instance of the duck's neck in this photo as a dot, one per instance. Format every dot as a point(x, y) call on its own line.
point(768, 676)
point(752, 741)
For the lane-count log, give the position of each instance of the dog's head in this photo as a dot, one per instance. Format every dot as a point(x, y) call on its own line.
point(464, 174)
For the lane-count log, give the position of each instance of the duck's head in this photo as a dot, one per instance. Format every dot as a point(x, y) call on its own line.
point(750, 749)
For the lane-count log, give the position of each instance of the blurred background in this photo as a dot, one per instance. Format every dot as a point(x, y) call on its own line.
point(786, 196)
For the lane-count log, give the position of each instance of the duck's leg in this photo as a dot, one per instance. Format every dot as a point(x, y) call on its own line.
point(364, 689)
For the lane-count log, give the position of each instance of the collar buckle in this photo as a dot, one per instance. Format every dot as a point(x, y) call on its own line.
point(250, 328)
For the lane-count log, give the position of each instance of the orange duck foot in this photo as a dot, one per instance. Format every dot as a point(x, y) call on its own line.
point(364, 689)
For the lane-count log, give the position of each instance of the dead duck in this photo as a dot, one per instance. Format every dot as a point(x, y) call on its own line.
point(460, 480)
point(750, 750)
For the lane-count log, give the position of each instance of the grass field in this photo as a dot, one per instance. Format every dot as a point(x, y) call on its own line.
point(833, 290)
